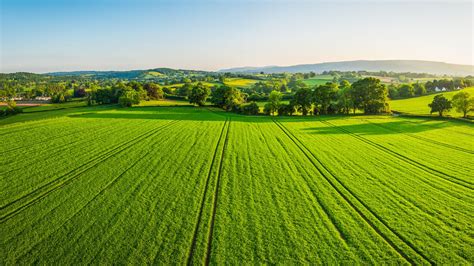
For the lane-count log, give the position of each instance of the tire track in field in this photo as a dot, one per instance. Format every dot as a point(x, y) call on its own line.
point(203, 199)
point(343, 190)
point(61, 148)
point(432, 141)
point(56, 184)
point(215, 193)
point(440, 174)
point(101, 192)
point(96, 129)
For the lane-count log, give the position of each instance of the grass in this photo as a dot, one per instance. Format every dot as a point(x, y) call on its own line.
point(168, 185)
point(318, 80)
point(419, 105)
point(164, 102)
point(240, 82)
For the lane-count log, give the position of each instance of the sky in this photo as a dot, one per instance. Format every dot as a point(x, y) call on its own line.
point(52, 35)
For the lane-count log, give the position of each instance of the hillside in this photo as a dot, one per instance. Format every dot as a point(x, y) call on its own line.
point(419, 105)
point(414, 66)
point(130, 74)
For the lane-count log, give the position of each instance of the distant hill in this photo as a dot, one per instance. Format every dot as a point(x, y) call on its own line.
point(414, 66)
point(128, 74)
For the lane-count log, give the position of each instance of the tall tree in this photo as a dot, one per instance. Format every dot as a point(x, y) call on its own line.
point(406, 90)
point(324, 96)
point(226, 97)
point(198, 94)
point(274, 101)
point(302, 100)
point(369, 95)
point(463, 103)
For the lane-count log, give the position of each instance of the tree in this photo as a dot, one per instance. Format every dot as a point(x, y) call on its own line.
point(302, 100)
point(344, 97)
point(250, 109)
point(369, 95)
point(324, 96)
point(463, 103)
point(286, 109)
point(392, 91)
point(274, 101)
point(226, 97)
point(406, 91)
point(419, 89)
point(198, 94)
point(129, 98)
point(440, 104)
point(185, 89)
point(153, 91)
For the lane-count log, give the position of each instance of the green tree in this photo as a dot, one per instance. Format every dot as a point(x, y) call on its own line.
point(419, 89)
point(369, 95)
point(226, 97)
point(129, 98)
point(324, 96)
point(199, 94)
point(463, 103)
point(344, 100)
point(406, 90)
point(185, 89)
point(440, 104)
point(302, 100)
point(153, 91)
point(250, 109)
point(274, 101)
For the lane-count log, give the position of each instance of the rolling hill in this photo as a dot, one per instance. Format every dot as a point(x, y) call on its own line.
point(415, 66)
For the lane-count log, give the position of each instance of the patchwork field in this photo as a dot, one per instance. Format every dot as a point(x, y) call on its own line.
point(182, 185)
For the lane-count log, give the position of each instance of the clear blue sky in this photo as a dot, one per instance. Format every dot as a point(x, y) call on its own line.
point(53, 35)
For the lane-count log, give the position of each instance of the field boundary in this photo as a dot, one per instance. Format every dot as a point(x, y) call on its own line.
point(203, 199)
point(103, 157)
point(452, 179)
point(357, 209)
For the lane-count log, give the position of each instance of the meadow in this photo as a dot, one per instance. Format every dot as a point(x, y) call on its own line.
point(107, 185)
point(419, 105)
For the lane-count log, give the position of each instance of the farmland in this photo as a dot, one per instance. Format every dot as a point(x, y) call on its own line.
point(164, 185)
point(419, 105)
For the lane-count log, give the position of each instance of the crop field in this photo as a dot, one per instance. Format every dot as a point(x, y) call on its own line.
point(162, 185)
point(419, 105)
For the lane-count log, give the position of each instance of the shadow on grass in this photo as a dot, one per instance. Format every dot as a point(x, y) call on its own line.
point(377, 128)
point(395, 125)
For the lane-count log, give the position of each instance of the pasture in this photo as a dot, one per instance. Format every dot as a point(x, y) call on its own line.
point(240, 82)
point(318, 80)
point(163, 185)
point(419, 105)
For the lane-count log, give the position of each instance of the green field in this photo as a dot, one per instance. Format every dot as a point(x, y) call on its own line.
point(240, 82)
point(318, 80)
point(182, 185)
point(419, 105)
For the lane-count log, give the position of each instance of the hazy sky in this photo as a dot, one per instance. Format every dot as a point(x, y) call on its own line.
point(48, 35)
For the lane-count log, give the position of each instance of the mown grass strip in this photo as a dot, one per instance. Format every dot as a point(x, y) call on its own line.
point(93, 162)
point(362, 210)
point(203, 199)
point(440, 174)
